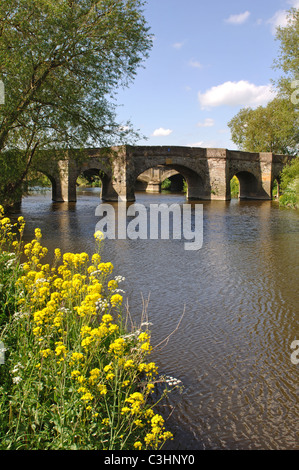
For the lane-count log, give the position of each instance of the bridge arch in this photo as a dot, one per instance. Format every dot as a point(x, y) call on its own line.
point(195, 182)
point(35, 177)
point(54, 178)
point(54, 184)
point(152, 179)
point(96, 167)
point(177, 182)
point(275, 184)
point(249, 184)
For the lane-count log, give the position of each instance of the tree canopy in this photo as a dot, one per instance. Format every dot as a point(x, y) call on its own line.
point(288, 58)
point(61, 62)
point(275, 127)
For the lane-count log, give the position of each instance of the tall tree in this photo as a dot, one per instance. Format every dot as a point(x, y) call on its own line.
point(272, 128)
point(62, 62)
point(275, 127)
point(288, 58)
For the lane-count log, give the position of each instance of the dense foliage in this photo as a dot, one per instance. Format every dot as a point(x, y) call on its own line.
point(275, 127)
point(290, 185)
point(61, 63)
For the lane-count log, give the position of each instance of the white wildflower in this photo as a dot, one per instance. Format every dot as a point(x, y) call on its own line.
point(94, 272)
point(40, 280)
point(102, 305)
point(172, 380)
point(17, 367)
point(19, 315)
point(10, 262)
point(146, 323)
point(132, 335)
point(17, 380)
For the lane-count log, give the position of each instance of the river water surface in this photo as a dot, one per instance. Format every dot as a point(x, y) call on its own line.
point(239, 295)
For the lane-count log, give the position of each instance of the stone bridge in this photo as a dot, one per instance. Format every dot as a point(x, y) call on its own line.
point(207, 171)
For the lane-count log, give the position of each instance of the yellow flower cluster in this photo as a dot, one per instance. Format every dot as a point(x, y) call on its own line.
point(117, 347)
point(136, 400)
point(144, 339)
point(157, 435)
point(10, 234)
point(77, 333)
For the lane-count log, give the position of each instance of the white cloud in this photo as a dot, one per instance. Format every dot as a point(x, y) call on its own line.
point(242, 93)
point(294, 3)
point(208, 122)
point(238, 19)
point(279, 19)
point(178, 45)
point(195, 64)
point(161, 132)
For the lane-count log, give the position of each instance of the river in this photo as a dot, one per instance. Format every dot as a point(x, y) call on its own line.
point(238, 296)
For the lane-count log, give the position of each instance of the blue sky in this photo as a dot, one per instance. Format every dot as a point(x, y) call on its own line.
point(209, 59)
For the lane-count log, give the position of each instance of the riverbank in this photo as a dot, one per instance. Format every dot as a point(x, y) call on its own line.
point(290, 185)
point(74, 374)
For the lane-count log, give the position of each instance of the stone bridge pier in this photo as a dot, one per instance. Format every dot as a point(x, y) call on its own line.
point(207, 171)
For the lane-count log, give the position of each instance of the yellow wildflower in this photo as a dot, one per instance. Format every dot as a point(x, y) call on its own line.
point(138, 423)
point(75, 373)
point(113, 284)
point(87, 397)
point(149, 438)
point(129, 364)
point(86, 341)
point(45, 352)
point(105, 268)
point(96, 258)
point(85, 330)
point(38, 233)
point(98, 235)
point(143, 337)
point(94, 374)
point(117, 347)
point(60, 348)
point(150, 387)
point(116, 299)
point(107, 318)
point(110, 376)
point(125, 409)
point(102, 389)
point(77, 356)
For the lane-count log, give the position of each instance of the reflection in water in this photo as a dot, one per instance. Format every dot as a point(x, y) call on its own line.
point(240, 295)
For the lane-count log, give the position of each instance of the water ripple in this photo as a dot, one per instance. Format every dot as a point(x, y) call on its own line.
point(240, 295)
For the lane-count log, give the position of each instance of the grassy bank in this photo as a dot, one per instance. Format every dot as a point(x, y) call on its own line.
point(290, 185)
point(76, 374)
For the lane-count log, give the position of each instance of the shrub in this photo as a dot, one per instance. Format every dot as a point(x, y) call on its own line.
point(290, 185)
